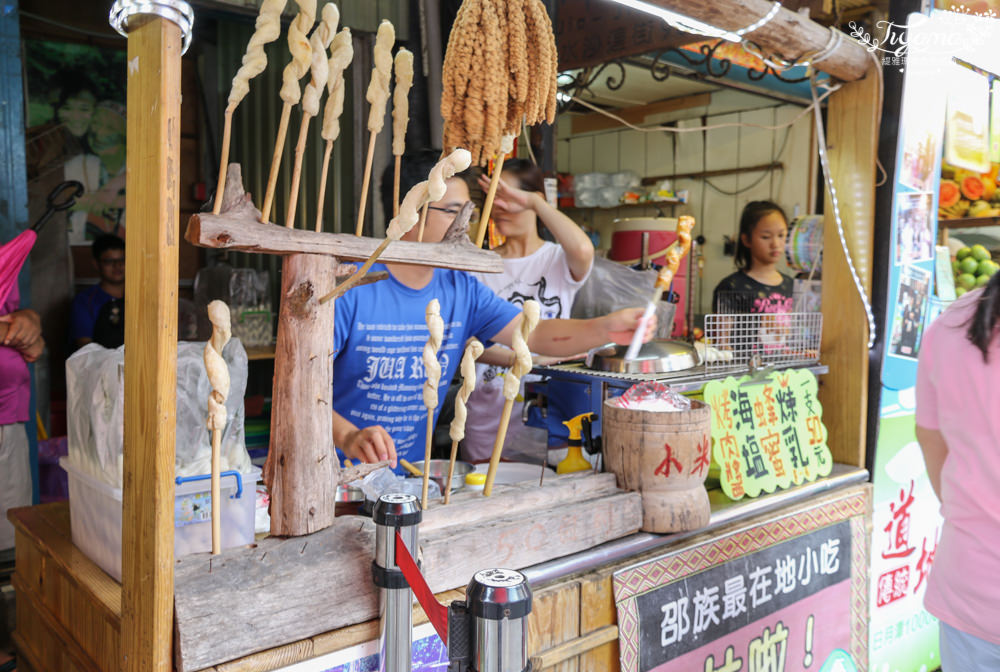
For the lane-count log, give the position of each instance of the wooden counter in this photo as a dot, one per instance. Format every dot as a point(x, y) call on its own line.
point(69, 610)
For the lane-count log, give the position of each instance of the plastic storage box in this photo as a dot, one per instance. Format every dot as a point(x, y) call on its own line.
point(96, 515)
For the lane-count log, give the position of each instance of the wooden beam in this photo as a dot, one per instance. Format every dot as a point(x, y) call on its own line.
point(789, 34)
point(574, 647)
point(852, 143)
point(153, 160)
point(653, 179)
point(587, 123)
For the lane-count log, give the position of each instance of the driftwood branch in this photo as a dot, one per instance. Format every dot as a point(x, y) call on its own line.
point(359, 471)
point(238, 227)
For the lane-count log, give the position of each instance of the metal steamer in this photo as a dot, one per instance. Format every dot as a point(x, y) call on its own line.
point(488, 632)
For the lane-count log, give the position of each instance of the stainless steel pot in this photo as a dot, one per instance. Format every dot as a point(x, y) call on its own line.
point(659, 356)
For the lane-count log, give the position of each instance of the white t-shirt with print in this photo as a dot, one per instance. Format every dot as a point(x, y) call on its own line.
point(545, 277)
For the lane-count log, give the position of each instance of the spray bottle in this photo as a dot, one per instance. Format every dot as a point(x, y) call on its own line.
point(574, 460)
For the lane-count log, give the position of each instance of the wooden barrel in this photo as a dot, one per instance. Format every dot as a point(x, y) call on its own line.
point(665, 456)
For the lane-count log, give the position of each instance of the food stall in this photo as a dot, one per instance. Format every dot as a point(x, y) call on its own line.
point(605, 594)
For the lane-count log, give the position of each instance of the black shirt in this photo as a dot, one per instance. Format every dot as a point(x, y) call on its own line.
point(739, 293)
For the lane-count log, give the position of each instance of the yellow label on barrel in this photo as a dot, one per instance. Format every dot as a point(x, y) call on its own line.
point(767, 434)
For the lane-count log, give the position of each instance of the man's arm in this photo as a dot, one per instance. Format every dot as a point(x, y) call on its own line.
point(935, 450)
point(564, 338)
point(371, 444)
point(24, 333)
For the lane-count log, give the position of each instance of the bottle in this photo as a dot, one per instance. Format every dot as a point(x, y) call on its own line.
point(574, 460)
point(475, 482)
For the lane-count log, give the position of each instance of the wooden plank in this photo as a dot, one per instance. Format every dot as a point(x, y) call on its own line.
point(598, 613)
point(452, 555)
point(248, 235)
point(595, 121)
point(471, 508)
point(50, 642)
point(606, 153)
point(555, 619)
point(154, 86)
point(789, 34)
point(774, 165)
point(852, 142)
point(576, 647)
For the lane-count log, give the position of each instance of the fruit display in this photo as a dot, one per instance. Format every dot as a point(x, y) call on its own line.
point(963, 193)
point(973, 267)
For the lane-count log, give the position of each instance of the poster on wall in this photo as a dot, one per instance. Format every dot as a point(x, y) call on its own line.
point(910, 311)
point(429, 654)
point(787, 594)
point(76, 129)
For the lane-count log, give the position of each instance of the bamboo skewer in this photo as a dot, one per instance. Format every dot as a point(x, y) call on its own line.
point(512, 383)
point(395, 185)
point(405, 464)
point(432, 368)
point(218, 376)
point(506, 147)
point(473, 350)
point(433, 189)
point(319, 69)
point(301, 50)
point(423, 221)
point(341, 54)
point(377, 96)
point(266, 30)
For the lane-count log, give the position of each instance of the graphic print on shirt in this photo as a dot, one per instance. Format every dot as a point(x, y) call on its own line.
point(551, 305)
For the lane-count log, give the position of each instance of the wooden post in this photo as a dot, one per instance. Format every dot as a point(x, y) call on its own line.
point(301, 471)
point(153, 127)
point(852, 144)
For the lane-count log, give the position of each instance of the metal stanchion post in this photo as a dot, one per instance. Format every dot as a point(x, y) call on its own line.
point(494, 619)
point(394, 512)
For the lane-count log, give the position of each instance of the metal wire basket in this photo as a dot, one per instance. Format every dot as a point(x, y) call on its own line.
point(763, 339)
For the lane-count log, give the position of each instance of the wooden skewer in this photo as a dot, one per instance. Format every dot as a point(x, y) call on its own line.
point(322, 185)
point(484, 219)
point(427, 458)
point(365, 184)
point(216, 492)
point(451, 471)
point(357, 277)
point(423, 220)
point(300, 148)
point(279, 148)
point(227, 126)
point(406, 464)
point(395, 186)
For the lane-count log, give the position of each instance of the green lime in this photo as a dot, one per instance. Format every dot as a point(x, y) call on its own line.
point(980, 253)
point(962, 253)
point(959, 291)
point(988, 268)
point(967, 280)
point(968, 265)
point(982, 280)
point(954, 267)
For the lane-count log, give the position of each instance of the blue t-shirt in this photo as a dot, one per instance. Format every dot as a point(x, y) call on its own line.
point(379, 336)
point(83, 312)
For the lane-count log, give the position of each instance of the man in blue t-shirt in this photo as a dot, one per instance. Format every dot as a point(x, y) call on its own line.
point(109, 256)
point(380, 332)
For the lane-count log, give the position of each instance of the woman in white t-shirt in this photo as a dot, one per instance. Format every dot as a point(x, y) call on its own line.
point(550, 273)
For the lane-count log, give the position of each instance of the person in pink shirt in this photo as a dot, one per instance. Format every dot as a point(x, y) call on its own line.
point(958, 427)
point(20, 342)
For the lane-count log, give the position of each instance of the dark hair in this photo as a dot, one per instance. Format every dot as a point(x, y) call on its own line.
point(753, 213)
point(104, 243)
point(529, 176)
point(413, 170)
point(986, 319)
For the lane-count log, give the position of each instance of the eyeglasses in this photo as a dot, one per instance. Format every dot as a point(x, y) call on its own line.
point(453, 212)
point(112, 262)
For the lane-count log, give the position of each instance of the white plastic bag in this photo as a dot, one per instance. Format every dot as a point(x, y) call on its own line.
point(612, 286)
point(95, 391)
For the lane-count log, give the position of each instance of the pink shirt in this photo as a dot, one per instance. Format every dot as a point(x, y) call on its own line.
point(959, 395)
point(15, 389)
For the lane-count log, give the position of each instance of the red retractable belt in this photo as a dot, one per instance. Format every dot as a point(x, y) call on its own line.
point(436, 612)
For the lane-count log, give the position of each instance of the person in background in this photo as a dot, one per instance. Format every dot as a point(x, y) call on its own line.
point(380, 332)
point(550, 273)
point(20, 343)
point(958, 428)
point(109, 256)
point(757, 286)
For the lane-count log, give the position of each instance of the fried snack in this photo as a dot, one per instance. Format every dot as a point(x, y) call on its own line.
point(468, 367)
point(215, 365)
point(319, 68)
point(266, 30)
point(301, 50)
point(341, 55)
point(378, 87)
point(400, 100)
point(522, 354)
point(432, 367)
point(409, 211)
point(443, 170)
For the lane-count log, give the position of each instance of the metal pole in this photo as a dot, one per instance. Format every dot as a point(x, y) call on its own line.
point(499, 601)
point(394, 512)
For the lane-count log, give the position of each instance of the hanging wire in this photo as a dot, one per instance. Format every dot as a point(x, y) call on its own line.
point(828, 180)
